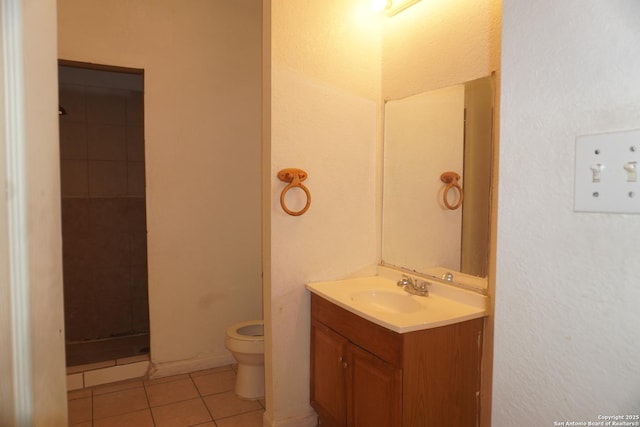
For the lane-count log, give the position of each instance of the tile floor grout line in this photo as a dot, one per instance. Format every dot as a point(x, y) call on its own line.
point(91, 397)
point(146, 395)
point(201, 397)
point(208, 411)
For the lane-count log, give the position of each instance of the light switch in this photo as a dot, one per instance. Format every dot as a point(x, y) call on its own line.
point(606, 172)
point(632, 175)
point(596, 170)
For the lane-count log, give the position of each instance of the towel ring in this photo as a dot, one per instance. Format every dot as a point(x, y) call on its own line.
point(294, 177)
point(451, 179)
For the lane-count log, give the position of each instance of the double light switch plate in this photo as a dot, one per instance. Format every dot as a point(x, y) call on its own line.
point(607, 172)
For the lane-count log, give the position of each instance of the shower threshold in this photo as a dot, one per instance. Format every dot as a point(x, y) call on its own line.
point(86, 352)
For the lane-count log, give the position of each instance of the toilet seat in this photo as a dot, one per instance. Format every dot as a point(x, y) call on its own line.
point(251, 330)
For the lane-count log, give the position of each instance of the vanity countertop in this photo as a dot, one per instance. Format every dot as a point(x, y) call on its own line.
point(380, 300)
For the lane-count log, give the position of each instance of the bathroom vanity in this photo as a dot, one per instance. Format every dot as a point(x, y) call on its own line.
point(365, 373)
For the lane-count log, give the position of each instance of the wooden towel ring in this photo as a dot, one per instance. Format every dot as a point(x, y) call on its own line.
point(294, 177)
point(451, 179)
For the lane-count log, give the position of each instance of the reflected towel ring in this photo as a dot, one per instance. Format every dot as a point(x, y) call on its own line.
point(294, 177)
point(451, 179)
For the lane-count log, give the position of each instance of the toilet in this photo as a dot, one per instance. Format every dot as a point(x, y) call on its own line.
point(245, 340)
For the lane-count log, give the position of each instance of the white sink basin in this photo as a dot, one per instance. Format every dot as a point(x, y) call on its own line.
point(380, 300)
point(386, 301)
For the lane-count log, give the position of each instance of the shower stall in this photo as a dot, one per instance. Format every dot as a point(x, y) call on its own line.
point(104, 229)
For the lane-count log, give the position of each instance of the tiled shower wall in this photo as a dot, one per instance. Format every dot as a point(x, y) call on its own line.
point(103, 211)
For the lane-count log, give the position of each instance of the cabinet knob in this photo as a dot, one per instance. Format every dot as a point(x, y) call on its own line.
point(341, 360)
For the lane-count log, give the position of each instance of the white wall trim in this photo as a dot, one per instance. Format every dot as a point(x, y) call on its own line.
point(16, 192)
point(309, 419)
point(165, 369)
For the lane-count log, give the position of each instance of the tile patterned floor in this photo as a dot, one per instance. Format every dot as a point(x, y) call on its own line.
point(202, 398)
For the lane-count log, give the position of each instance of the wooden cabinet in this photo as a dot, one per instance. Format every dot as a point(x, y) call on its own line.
point(328, 355)
point(365, 375)
point(372, 390)
point(349, 383)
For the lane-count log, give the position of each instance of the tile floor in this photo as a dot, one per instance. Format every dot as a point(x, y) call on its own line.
point(202, 398)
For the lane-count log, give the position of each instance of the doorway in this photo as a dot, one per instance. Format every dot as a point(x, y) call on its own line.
point(104, 232)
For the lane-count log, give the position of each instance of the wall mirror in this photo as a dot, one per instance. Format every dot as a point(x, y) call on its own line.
point(427, 134)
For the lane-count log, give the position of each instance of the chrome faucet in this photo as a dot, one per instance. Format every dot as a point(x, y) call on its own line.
point(405, 281)
point(414, 286)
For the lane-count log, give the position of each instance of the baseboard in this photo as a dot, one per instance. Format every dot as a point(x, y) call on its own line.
point(166, 369)
point(309, 419)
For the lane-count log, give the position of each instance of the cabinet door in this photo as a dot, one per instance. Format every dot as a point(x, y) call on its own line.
point(374, 391)
point(442, 376)
point(328, 363)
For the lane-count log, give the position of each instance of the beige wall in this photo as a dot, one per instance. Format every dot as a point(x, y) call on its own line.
point(44, 215)
point(202, 129)
point(439, 43)
point(43, 243)
point(325, 67)
point(567, 288)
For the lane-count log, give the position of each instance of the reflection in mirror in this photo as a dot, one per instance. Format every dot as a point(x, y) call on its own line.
point(444, 130)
